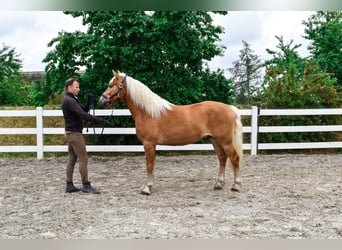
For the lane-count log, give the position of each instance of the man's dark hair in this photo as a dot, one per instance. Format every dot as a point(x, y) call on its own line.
point(70, 82)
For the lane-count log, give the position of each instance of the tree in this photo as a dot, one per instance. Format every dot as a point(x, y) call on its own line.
point(314, 89)
point(295, 82)
point(10, 63)
point(324, 29)
point(12, 88)
point(286, 57)
point(217, 87)
point(164, 50)
point(246, 74)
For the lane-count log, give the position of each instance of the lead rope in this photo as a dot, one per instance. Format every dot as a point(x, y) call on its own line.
point(92, 107)
point(98, 136)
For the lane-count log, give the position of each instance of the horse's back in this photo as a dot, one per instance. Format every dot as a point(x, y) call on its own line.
point(213, 108)
point(206, 114)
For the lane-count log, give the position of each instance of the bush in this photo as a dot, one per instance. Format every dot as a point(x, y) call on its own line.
point(291, 88)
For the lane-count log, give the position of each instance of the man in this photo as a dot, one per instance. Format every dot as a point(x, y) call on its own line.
point(74, 113)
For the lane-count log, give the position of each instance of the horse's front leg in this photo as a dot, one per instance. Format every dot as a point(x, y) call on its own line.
point(150, 154)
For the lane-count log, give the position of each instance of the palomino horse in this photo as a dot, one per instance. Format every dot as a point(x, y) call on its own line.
point(159, 122)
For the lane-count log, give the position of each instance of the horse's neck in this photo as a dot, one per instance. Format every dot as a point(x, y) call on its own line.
point(135, 111)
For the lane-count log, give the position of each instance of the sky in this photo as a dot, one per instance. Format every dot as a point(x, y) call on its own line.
point(29, 32)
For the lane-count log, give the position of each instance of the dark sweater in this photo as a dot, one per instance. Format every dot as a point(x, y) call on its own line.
point(74, 112)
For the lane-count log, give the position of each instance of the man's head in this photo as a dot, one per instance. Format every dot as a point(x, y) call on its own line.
point(72, 85)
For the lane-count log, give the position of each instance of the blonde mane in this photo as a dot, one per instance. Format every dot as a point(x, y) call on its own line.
point(145, 99)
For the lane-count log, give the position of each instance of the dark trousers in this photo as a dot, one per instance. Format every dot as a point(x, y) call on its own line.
point(76, 150)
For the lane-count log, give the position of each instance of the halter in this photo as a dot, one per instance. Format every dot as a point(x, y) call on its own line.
point(117, 93)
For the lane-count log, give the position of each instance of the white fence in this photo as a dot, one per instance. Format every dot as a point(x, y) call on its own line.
point(254, 129)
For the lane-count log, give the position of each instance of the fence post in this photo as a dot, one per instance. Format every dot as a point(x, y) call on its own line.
point(39, 124)
point(254, 130)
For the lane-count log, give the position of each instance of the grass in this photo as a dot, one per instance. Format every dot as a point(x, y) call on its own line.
point(27, 140)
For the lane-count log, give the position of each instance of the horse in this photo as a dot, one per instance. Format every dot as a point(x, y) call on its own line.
point(159, 122)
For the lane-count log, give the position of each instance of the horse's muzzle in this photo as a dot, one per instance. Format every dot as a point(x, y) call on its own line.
point(103, 101)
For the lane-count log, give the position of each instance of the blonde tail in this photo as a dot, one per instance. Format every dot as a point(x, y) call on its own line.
point(237, 137)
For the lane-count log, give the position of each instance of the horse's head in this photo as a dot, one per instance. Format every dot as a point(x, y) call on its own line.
point(115, 91)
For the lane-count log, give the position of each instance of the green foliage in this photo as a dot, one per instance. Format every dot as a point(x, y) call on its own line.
point(14, 92)
point(13, 87)
point(324, 29)
point(37, 94)
point(10, 63)
point(217, 87)
point(165, 50)
point(246, 74)
point(294, 82)
point(290, 65)
point(315, 90)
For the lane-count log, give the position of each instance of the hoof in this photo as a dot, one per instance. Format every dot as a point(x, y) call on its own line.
point(219, 185)
point(146, 191)
point(235, 188)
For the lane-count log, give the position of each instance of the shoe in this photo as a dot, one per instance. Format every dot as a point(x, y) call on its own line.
point(70, 188)
point(87, 188)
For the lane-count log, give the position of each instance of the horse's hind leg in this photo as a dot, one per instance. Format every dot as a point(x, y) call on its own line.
point(150, 154)
point(234, 159)
point(222, 157)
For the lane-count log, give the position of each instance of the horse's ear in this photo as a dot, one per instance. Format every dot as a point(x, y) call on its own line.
point(113, 72)
point(119, 72)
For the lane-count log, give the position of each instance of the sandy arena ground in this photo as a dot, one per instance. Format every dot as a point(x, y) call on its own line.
point(284, 196)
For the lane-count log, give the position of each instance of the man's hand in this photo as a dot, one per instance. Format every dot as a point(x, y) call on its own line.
point(90, 97)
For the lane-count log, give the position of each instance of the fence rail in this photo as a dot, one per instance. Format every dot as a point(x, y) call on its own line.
point(253, 146)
